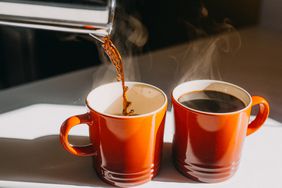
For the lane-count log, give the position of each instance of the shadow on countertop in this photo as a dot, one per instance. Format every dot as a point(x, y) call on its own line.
point(43, 160)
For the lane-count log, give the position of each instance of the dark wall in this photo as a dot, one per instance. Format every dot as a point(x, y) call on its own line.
point(27, 54)
point(169, 22)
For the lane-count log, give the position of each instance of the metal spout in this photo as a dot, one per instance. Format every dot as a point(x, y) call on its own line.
point(78, 16)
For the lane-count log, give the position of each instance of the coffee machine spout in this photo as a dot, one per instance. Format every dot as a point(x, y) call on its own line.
point(77, 16)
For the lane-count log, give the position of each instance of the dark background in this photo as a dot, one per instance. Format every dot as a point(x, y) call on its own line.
point(27, 54)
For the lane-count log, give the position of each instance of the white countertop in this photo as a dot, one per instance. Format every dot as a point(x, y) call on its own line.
point(30, 118)
point(31, 154)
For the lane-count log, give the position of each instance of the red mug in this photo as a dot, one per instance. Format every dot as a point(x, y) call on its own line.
point(126, 150)
point(207, 146)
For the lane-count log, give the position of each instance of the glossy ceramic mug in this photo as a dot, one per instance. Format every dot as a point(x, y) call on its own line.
point(126, 149)
point(207, 146)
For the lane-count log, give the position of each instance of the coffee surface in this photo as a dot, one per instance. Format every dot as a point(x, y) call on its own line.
point(211, 101)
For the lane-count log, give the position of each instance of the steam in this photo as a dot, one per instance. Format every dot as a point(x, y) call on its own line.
point(129, 35)
point(200, 58)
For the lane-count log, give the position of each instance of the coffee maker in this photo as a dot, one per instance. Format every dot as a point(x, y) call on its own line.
point(79, 16)
point(35, 37)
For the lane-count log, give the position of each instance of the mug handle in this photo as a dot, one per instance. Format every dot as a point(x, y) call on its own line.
point(87, 150)
point(261, 116)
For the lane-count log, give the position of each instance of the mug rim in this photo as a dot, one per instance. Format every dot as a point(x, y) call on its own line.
point(123, 116)
point(212, 113)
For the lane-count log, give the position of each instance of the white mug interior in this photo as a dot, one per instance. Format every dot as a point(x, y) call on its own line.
point(107, 99)
point(212, 85)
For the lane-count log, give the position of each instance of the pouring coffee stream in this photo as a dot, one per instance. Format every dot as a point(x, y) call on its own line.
point(116, 60)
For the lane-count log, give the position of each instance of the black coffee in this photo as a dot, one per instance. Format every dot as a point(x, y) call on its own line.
point(211, 101)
